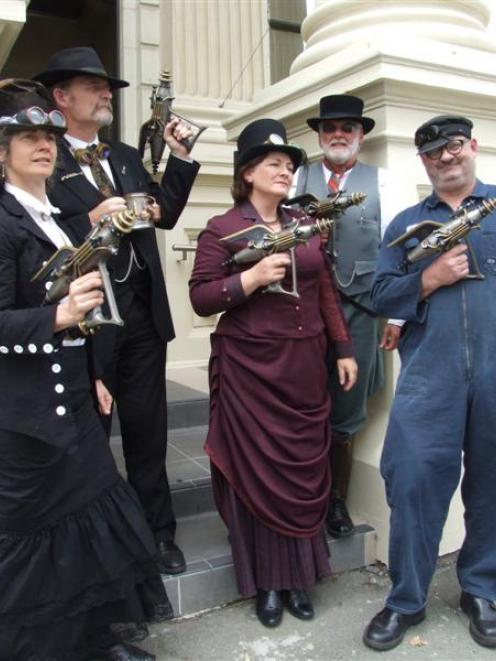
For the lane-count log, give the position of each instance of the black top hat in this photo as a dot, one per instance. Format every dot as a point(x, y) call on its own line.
point(439, 130)
point(71, 62)
point(261, 137)
point(341, 106)
point(26, 104)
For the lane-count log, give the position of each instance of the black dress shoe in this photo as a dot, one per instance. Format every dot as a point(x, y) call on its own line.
point(269, 607)
point(338, 519)
point(170, 557)
point(126, 652)
point(298, 604)
point(482, 617)
point(387, 628)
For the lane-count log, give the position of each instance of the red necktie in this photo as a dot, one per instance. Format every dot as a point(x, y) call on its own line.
point(333, 183)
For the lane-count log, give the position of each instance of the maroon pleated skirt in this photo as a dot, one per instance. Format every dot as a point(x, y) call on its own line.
point(263, 558)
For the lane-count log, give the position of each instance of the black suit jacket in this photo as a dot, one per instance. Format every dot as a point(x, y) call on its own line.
point(75, 196)
point(31, 353)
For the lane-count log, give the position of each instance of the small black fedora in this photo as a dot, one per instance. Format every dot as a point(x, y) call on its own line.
point(261, 137)
point(341, 106)
point(79, 61)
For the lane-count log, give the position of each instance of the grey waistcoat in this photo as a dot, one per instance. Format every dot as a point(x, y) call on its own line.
point(357, 233)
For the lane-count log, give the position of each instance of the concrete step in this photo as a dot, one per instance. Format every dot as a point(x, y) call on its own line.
point(188, 469)
point(209, 580)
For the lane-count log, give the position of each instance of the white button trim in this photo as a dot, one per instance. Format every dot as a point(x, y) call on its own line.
point(18, 348)
point(32, 348)
point(60, 410)
point(59, 388)
point(4, 350)
point(48, 348)
point(56, 368)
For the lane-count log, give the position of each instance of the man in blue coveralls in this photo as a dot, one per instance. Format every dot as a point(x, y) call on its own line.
point(444, 407)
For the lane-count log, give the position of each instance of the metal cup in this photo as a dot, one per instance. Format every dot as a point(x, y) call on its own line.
point(138, 202)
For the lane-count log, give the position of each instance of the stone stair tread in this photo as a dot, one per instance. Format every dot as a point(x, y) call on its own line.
point(209, 579)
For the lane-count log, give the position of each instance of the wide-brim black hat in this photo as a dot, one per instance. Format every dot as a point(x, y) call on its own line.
point(341, 106)
point(27, 105)
point(72, 62)
point(262, 137)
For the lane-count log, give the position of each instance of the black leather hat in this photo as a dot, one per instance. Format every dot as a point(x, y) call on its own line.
point(72, 62)
point(262, 137)
point(27, 104)
point(439, 130)
point(341, 106)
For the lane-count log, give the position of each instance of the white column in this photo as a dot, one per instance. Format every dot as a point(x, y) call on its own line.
point(12, 19)
point(409, 61)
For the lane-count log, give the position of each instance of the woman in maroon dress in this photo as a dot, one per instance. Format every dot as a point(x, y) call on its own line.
point(268, 439)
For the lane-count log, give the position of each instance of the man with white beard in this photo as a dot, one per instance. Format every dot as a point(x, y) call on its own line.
point(353, 249)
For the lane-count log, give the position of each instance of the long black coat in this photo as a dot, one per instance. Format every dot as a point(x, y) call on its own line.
point(33, 397)
point(75, 196)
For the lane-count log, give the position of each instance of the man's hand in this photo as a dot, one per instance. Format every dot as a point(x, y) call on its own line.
point(447, 269)
point(347, 372)
point(108, 206)
point(104, 398)
point(175, 131)
point(390, 337)
point(153, 212)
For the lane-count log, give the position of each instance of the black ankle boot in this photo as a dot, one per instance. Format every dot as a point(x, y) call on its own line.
point(298, 604)
point(269, 607)
point(338, 521)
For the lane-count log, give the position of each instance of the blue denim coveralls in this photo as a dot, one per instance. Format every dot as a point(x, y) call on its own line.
point(444, 410)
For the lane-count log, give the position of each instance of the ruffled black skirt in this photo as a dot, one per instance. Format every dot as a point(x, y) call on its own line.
point(77, 570)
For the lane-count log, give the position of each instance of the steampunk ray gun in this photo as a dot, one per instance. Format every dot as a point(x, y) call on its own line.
point(263, 242)
point(152, 131)
point(69, 263)
point(437, 237)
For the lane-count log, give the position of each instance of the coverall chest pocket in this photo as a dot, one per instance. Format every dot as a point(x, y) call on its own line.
point(486, 252)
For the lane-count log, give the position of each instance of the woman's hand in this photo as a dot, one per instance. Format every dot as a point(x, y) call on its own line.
point(104, 397)
point(267, 270)
point(84, 294)
point(347, 372)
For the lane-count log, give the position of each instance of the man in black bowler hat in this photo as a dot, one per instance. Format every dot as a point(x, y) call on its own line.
point(443, 414)
point(353, 247)
point(91, 180)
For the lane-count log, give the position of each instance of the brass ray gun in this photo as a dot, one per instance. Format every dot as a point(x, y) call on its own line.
point(329, 206)
point(263, 242)
point(437, 237)
point(152, 131)
point(69, 263)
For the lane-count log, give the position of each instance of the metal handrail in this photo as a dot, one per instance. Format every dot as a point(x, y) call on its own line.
point(184, 249)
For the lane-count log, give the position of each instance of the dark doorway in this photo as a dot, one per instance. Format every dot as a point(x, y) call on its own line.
point(52, 25)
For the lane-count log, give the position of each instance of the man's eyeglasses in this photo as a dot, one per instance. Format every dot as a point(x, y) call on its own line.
point(345, 127)
point(453, 147)
point(35, 116)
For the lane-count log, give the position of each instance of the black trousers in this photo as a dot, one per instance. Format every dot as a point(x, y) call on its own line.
point(136, 379)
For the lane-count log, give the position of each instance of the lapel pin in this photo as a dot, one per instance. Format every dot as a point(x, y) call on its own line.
point(123, 171)
point(70, 175)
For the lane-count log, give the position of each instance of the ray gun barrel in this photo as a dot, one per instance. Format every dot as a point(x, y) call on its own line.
point(152, 131)
point(437, 237)
point(263, 242)
point(70, 263)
